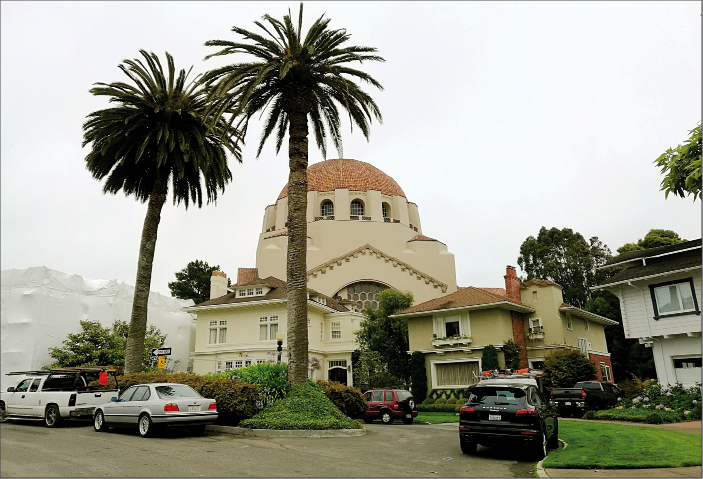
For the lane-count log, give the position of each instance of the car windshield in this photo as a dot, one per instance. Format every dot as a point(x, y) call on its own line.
point(176, 391)
point(590, 386)
point(497, 395)
point(403, 395)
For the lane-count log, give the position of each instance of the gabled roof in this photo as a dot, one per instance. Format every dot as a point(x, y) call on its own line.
point(654, 262)
point(465, 298)
point(539, 282)
point(277, 291)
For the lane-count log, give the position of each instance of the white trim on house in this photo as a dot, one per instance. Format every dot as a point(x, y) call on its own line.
point(642, 278)
point(509, 305)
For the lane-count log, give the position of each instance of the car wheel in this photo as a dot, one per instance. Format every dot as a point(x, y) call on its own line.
point(468, 447)
point(199, 429)
point(146, 427)
point(553, 441)
point(99, 421)
point(386, 417)
point(408, 420)
point(541, 446)
point(52, 416)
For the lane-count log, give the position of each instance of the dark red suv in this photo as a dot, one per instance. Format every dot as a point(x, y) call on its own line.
point(388, 404)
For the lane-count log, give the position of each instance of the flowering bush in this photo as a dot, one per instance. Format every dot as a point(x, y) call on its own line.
point(657, 403)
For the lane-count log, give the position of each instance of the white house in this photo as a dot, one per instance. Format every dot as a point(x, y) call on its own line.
point(659, 291)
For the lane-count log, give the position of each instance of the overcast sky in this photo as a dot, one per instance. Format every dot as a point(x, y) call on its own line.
point(499, 118)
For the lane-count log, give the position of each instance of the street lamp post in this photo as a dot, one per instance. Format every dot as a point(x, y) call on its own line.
point(279, 338)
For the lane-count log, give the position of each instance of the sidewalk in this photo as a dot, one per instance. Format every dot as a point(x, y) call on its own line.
point(693, 427)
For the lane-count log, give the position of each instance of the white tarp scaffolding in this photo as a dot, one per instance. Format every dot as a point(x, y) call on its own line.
point(39, 307)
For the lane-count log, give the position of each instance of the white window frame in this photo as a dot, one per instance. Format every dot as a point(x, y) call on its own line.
point(569, 322)
point(237, 363)
point(219, 327)
point(677, 286)
point(218, 366)
point(440, 324)
point(335, 327)
point(229, 364)
point(586, 325)
point(354, 206)
point(322, 331)
point(325, 210)
point(584, 345)
point(605, 373)
point(242, 293)
point(535, 327)
point(259, 292)
point(433, 372)
point(268, 322)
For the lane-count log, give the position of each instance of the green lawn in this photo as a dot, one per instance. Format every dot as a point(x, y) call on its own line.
point(615, 446)
point(436, 417)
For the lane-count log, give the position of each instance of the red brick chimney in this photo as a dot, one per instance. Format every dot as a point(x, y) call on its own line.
point(512, 285)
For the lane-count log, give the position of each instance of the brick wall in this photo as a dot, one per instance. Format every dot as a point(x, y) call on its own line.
point(596, 359)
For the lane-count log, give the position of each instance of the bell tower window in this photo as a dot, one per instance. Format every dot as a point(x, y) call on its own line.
point(357, 208)
point(327, 208)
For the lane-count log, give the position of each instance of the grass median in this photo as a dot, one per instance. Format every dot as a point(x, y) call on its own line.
point(616, 446)
point(436, 417)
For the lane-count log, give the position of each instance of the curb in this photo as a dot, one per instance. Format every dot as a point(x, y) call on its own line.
point(539, 470)
point(242, 431)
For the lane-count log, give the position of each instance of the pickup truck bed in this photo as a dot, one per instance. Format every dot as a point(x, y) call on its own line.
point(585, 395)
point(53, 396)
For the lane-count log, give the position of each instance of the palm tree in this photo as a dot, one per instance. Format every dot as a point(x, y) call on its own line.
point(160, 132)
point(293, 78)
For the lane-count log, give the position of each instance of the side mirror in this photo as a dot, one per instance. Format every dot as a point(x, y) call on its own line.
point(113, 399)
point(10, 389)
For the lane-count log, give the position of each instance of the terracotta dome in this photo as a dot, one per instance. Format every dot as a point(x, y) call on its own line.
point(355, 175)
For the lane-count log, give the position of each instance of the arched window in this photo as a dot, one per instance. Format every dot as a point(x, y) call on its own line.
point(362, 295)
point(386, 210)
point(357, 208)
point(327, 208)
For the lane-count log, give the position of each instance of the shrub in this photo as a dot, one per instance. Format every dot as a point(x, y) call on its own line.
point(270, 379)
point(305, 407)
point(418, 376)
point(563, 369)
point(511, 354)
point(489, 358)
point(428, 401)
point(452, 401)
point(235, 400)
point(441, 401)
point(348, 399)
point(632, 387)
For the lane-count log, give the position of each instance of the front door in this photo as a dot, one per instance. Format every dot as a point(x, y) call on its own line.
point(338, 374)
point(19, 401)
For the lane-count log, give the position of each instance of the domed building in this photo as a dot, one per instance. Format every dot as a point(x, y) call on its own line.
point(363, 236)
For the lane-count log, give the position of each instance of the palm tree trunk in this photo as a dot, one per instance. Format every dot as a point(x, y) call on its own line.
point(134, 354)
point(297, 309)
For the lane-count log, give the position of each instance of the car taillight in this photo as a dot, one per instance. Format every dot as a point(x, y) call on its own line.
point(170, 407)
point(466, 410)
point(551, 394)
point(526, 412)
point(213, 405)
point(395, 406)
point(583, 394)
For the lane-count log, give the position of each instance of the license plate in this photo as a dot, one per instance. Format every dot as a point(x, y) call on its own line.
point(494, 417)
point(408, 415)
point(568, 403)
point(194, 408)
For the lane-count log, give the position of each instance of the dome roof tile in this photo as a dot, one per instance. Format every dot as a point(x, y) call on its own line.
point(352, 174)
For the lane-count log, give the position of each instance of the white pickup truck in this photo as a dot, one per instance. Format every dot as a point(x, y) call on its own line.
point(54, 395)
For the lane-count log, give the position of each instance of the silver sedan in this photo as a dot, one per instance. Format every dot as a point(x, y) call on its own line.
point(148, 406)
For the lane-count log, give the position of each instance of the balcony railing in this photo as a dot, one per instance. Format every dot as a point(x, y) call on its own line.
point(453, 341)
point(536, 333)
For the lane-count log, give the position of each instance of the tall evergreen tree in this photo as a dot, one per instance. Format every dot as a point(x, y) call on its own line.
point(293, 77)
point(193, 281)
point(160, 132)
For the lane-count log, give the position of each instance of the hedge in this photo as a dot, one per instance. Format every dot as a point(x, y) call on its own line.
point(348, 399)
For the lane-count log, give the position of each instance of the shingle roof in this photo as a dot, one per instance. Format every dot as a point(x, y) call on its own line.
point(646, 253)
point(497, 291)
point(421, 238)
point(352, 174)
point(278, 290)
point(464, 297)
point(656, 266)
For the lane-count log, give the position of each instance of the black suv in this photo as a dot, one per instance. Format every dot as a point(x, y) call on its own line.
point(387, 404)
point(509, 414)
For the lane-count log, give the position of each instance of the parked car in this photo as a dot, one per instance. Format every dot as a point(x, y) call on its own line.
point(388, 404)
point(584, 396)
point(508, 414)
point(54, 395)
point(149, 406)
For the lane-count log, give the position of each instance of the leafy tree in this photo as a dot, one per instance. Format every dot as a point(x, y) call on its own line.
point(294, 77)
point(98, 346)
point(681, 167)
point(388, 336)
point(566, 258)
point(489, 358)
point(418, 376)
point(511, 354)
point(160, 131)
point(563, 369)
point(652, 239)
point(193, 281)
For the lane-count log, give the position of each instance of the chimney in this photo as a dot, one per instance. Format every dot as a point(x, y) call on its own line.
point(512, 285)
point(218, 284)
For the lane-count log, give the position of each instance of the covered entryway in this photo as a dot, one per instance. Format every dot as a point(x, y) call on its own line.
point(337, 371)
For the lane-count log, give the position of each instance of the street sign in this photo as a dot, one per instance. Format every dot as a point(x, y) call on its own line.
point(160, 351)
point(162, 362)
